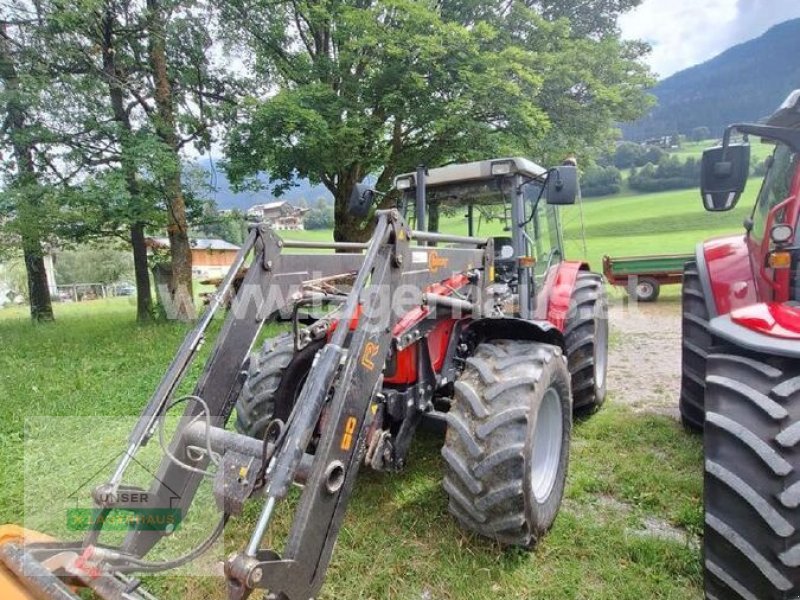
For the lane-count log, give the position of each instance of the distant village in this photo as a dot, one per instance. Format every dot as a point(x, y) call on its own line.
point(279, 215)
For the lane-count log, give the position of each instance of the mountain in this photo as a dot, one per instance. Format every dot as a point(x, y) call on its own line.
point(745, 83)
point(226, 198)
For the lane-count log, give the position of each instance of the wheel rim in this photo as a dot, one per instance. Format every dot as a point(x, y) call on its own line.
point(547, 445)
point(644, 289)
point(600, 351)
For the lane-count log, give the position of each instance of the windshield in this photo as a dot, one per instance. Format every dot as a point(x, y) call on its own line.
point(775, 189)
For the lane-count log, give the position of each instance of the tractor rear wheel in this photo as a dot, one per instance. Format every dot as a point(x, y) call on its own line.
point(586, 338)
point(695, 345)
point(752, 463)
point(275, 375)
point(507, 445)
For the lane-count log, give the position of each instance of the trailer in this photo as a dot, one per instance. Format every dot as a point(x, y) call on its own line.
point(643, 276)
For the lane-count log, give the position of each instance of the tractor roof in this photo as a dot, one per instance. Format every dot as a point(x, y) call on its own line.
point(788, 115)
point(476, 171)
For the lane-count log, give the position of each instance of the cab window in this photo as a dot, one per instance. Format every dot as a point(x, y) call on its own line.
point(775, 189)
point(545, 234)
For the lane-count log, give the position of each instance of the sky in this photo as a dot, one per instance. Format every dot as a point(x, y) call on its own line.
point(684, 33)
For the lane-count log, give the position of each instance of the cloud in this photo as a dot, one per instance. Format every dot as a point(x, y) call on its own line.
point(687, 32)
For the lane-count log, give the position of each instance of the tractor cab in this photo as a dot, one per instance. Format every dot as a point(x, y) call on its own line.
point(512, 200)
point(772, 240)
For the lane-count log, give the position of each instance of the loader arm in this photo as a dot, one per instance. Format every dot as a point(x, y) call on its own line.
point(345, 381)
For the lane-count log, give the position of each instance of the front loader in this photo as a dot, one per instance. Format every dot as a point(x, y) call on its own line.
point(497, 339)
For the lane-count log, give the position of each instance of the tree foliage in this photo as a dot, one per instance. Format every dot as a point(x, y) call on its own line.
point(669, 174)
point(376, 87)
point(130, 84)
point(96, 264)
point(600, 181)
point(630, 154)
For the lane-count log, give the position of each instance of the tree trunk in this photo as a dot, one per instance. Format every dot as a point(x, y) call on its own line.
point(25, 182)
point(144, 295)
point(177, 227)
point(38, 288)
point(347, 228)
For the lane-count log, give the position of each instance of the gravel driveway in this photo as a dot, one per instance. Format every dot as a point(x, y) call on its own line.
point(645, 356)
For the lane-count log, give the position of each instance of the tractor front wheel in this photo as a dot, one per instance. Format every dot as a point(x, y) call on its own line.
point(507, 445)
point(752, 463)
point(275, 376)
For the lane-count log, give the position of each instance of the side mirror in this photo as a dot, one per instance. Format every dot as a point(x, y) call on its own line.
point(724, 176)
point(562, 185)
point(361, 200)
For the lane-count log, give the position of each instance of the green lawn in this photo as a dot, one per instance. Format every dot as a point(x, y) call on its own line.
point(398, 540)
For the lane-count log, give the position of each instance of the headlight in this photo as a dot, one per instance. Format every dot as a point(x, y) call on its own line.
point(404, 183)
point(781, 234)
point(502, 167)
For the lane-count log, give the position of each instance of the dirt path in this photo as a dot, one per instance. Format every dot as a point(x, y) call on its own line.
point(645, 356)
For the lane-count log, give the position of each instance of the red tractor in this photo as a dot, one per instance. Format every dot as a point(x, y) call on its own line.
point(499, 339)
point(741, 367)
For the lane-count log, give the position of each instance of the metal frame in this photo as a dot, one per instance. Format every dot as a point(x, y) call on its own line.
point(349, 367)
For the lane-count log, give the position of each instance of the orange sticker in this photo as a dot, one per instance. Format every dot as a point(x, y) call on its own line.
point(436, 262)
point(370, 350)
point(349, 430)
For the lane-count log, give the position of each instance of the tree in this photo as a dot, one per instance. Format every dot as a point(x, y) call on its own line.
point(320, 216)
point(375, 87)
point(149, 89)
point(653, 155)
point(700, 133)
point(25, 191)
point(165, 125)
point(587, 18)
point(93, 264)
point(627, 155)
point(601, 181)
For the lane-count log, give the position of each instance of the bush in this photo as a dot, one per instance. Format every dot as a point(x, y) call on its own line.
point(319, 218)
point(601, 181)
point(700, 133)
point(93, 264)
point(669, 174)
point(630, 155)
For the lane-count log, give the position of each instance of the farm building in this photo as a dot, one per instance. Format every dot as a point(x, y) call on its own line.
point(210, 257)
point(279, 215)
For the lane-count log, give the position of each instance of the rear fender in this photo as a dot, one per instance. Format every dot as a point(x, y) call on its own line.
point(557, 292)
point(507, 328)
point(726, 274)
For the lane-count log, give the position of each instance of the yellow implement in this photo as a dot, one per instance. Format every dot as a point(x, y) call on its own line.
point(12, 588)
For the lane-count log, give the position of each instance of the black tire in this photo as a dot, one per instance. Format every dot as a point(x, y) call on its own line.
point(696, 341)
point(752, 476)
point(275, 375)
point(586, 338)
point(493, 445)
point(647, 289)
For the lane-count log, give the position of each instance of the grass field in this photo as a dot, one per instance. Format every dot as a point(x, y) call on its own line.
point(628, 469)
